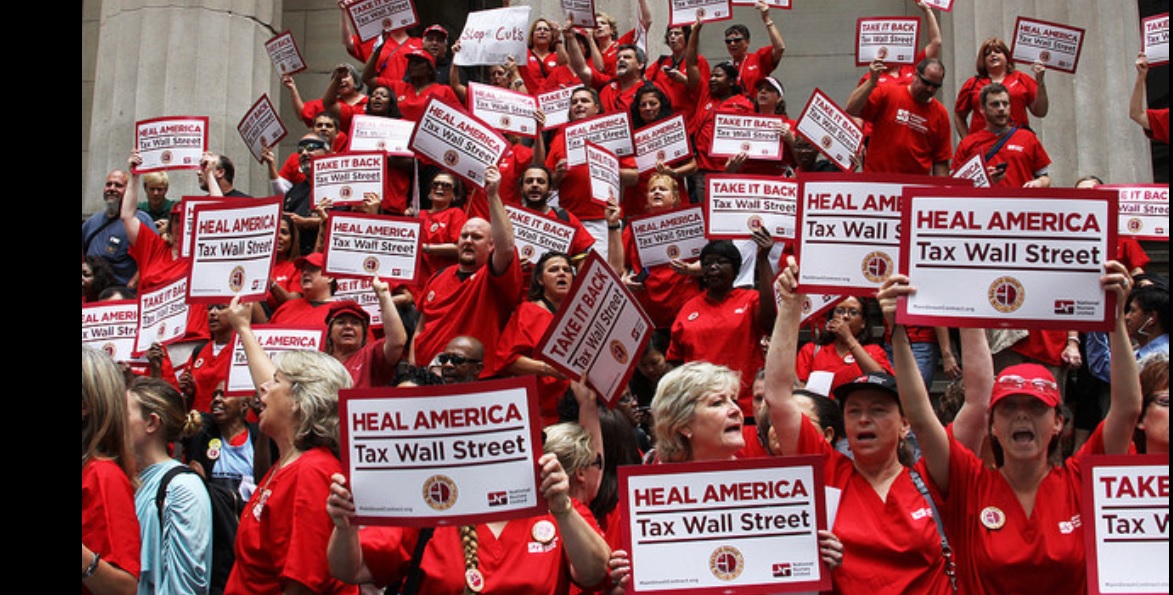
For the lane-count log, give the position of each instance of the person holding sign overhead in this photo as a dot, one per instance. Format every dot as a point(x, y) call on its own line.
point(902, 74)
point(1154, 122)
point(720, 93)
point(752, 66)
point(1017, 527)
point(1027, 96)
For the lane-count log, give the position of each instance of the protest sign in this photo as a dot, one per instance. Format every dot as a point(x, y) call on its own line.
point(534, 235)
point(176, 142)
point(376, 133)
point(603, 166)
point(1143, 210)
point(261, 127)
point(162, 315)
point(110, 326)
point(509, 111)
point(556, 106)
point(233, 249)
point(610, 131)
point(1126, 523)
point(678, 234)
point(362, 244)
point(759, 137)
point(829, 128)
point(973, 170)
point(891, 39)
point(274, 339)
point(370, 18)
point(346, 178)
point(580, 12)
point(1154, 39)
point(284, 54)
point(737, 205)
point(686, 12)
point(1056, 46)
point(664, 141)
point(493, 36)
point(458, 141)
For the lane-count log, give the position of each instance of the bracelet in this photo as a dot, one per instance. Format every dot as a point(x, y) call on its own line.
point(769, 23)
point(615, 227)
point(93, 567)
point(563, 511)
point(1075, 338)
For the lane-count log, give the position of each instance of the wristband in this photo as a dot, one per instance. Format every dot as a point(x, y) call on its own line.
point(563, 511)
point(93, 567)
point(615, 227)
point(1075, 338)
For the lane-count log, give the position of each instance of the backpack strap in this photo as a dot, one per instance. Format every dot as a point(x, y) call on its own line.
point(161, 493)
point(946, 549)
point(1001, 141)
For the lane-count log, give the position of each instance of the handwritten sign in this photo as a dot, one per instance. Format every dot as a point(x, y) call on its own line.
point(891, 39)
point(740, 204)
point(274, 339)
point(458, 141)
point(369, 18)
point(111, 327)
point(829, 128)
point(260, 127)
point(534, 235)
point(1056, 46)
point(665, 141)
point(171, 143)
point(1126, 523)
point(759, 137)
point(509, 111)
point(678, 234)
point(458, 455)
point(233, 249)
point(376, 133)
point(1143, 210)
point(1028, 258)
point(346, 178)
point(748, 525)
point(610, 131)
point(686, 12)
point(1154, 39)
point(361, 245)
point(600, 331)
point(493, 36)
point(162, 315)
point(284, 55)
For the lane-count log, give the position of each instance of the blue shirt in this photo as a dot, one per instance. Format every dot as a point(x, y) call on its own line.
point(1099, 354)
point(176, 559)
point(112, 244)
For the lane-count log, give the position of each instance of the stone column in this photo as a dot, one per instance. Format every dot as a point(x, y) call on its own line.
point(159, 58)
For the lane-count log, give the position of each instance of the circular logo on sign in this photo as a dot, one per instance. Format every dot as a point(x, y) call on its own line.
point(505, 120)
point(1006, 294)
point(370, 264)
point(388, 24)
point(660, 155)
point(700, 12)
point(165, 157)
point(726, 563)
point(543, 531)
point(381, 145)
point(450, 157)
point(109, 349)
point(236, 279)
point(754, 223)
point(162, 329)
point(1135, 225)
point(673, 251)
point(825, 141)
point(876, 266)
point(618, 351)
point(807, 305)
point(345, 192)
point(992, 518)
point(527, 251)
point(744, 146)
point(440, 492)
point(1044, 56)
point(882, 53)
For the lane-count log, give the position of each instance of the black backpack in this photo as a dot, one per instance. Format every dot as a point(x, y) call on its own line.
point(227, 506)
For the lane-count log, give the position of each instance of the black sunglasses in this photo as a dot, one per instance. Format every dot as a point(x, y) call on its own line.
point(729, 40)
point(456, 359)
point(310, 145)
point(926, 82)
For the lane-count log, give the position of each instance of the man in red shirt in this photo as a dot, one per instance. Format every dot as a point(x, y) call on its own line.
point(476, 296)
point(909, 126)
point(1014, 156)
point(616, 92)
point(535, 196)
point(753, 66)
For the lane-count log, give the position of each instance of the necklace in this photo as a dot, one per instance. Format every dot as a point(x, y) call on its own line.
point(259, 507)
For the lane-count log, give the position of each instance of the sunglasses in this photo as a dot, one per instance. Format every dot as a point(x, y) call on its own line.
point(456, 359)
point(1015, 381)
point(310, 145)
point(598, 461)
point(733, 40)
point(928, 83)
point(443, 185)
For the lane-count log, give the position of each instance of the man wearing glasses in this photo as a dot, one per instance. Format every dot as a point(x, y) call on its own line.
point(299, 198)
point(910, 129)
point(753, 66)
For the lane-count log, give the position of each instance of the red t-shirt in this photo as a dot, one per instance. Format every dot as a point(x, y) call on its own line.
point(313, 107)
point(753, 448)
point(301, 312)
point(536, 69)
point(683, 101)
point(907, 136)
point(511, 165)
point(1158, 124)
point(438, 228)
point(157, 267)
point(754, 67)
point(574, 192)
point(725, 333)
point(411, 102)
point(208, 369)
point(665, 291)
point(284, 529)
point(1043, 346)
point(109, 525)
point(291, 169)
point(287, 275)
point(1023, 155)
point(827, 359)
point(1023, 90)
point(392, 62)
point(368, 366)
point(705, 121)
point(520, 337)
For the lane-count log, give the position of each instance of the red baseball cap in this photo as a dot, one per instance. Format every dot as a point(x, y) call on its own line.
point(1026, 379)
point(422, 53)
point(347, 307)
point(436, 29)
point(316, 259)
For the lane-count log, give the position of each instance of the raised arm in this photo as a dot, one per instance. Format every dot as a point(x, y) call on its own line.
point(1126, 401)
point(777, 46)
point(294, 95)
point(586, 551)
point(501, 229)
point(692, 68)
point(972, 421)
point(1041, 105)
point(578, 64)
point(370, 70)
point(260, 367)
point(767, 307)
point(933, 47)
point(614, 216)
point(914, 396)
point(785, 415)
point(454, 81)
point(128, 211)
point(330, 95)
point(343, 550)
point(1137, 104)
point(395, 335)
point(859, 97)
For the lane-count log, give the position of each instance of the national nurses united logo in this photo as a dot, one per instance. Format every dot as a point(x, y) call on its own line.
point(345, 192)
point(1135, 224)
point(370, 264)
point(673, 251)
point(440, 492)
point(236, 279)
point(754, 222)
point(618, 351)
point(1006, 294)
point(166, 157)
point(876, 266)
point(726, 563)
point(450, 157)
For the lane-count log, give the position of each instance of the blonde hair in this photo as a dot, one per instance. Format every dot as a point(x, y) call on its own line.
point(674, 404)
point(316, 379)
point(156, 177)
point(103, 399)
point(572, 444)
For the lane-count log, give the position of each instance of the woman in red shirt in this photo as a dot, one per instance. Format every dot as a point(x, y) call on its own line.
point(844, 348)
point(994, 66)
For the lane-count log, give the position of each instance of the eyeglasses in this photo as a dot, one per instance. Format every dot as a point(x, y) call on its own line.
point(456, 359)
point(853, 312)
point(1162, 399)
point(443, 185)
point(718, 261)
point(598, 461)
point(928, 83)
point(1015, 381)
point(310, 145)
point(733, 40)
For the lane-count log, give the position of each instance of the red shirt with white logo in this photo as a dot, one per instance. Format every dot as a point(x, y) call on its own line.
point(908, 136)
point(1023, 155)
point(726, 333)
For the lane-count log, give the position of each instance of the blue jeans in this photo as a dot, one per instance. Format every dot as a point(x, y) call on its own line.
point(927, 356)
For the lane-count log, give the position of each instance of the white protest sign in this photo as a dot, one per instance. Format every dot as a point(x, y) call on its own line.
point(171, 143)
point(458, 141)
point(944, 5)
point(739, 204)
point(664, 141)
point(759, 137)
point(891, 39)
point(610, 131)
point(509, 111)
point(686, 12)
point(1028, 258)
point(183, 233)
point(534, 235)
point(346, 178)
point(556, 106)
point(376, 133)
point(455, 455)
point(974, 170)
point(274, 339)
point(110, 326)
point(369, 18)
point(1126, 523)
point(1056, 46)
point(599, 332)
point(813, 306)
point(781, 4)
point(162, 315)
point(829, 128)
point(362, 244)
point(261, 127)
point(747, 525)
point(1143, 210)
point(284, 54)
point(603, 166)
point(1154, 39)
point(232, 253)
point(492, 36)
point(678, 234)
point(360, 291)
point(580, 12)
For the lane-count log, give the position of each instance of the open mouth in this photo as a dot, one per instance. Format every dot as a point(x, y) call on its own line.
point(1022, 436)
